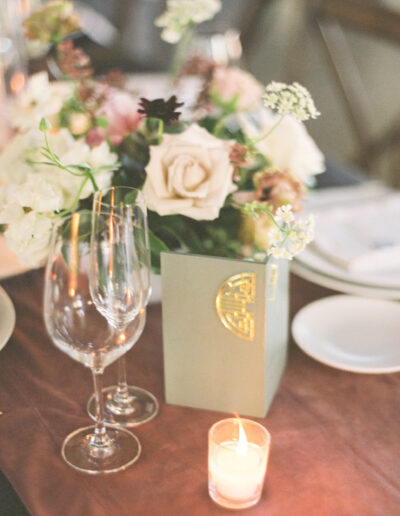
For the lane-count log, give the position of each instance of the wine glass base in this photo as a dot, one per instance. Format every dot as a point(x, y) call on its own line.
point(140, 407)
point(124, 450)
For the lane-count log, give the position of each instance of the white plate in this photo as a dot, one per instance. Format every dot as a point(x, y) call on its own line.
point(385, 279)
point(7, 318)
point(351, 333)
point(349, 287)
point(311, 265)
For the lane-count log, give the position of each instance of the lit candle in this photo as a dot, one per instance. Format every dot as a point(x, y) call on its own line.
point(237, 460)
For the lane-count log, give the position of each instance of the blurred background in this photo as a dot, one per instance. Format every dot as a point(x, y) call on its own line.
point(346, 52)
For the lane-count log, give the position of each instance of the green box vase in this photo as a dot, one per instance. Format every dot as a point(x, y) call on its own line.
point(225, 331)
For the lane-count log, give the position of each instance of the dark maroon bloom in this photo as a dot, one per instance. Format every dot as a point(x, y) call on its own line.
point(159, 108)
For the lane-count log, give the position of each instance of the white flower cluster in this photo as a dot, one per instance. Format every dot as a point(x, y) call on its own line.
point(41, 98)
point(290, 99)
point(294, 235)
point(182, 13)
point(31, 193)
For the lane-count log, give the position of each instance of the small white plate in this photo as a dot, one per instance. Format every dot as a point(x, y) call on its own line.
point(351, 333)
point(7, 318)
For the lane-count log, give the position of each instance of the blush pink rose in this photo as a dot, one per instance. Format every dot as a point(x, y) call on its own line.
point(120, 109)
point(232, 81)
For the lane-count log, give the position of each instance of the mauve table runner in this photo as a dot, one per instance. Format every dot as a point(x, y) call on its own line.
point(335, 435)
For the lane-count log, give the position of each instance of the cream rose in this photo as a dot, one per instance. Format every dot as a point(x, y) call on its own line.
point(289, 147)
point(189, 174)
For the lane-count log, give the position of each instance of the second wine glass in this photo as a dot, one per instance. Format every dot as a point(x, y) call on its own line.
point(124, 405)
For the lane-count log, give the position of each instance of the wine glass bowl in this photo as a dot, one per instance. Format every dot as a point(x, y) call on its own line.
point(78, 329)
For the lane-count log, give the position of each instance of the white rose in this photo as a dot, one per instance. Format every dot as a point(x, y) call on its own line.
point(190, 174)
point(289, 146)
point(28, 237)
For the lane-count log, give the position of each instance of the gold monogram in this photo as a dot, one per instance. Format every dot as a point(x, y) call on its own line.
point(231, 302)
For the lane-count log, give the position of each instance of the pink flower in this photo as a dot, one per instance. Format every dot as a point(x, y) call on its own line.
point(96, 136)
point(120, 109)
point(229, 82)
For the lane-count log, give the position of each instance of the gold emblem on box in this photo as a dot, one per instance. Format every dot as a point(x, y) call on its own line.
point(231, 302)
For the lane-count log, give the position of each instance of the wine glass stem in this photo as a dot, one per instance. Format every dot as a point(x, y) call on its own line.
point(99, 439)
point(122, 388)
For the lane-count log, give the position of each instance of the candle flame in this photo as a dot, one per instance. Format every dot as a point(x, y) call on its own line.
point(121, 338)
point(24, 7)
point(74, 254)
point(111, 235)
point(110, 243)
point(242, 444)
point(17, 82)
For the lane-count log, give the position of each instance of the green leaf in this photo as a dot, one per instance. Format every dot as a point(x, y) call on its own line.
point(102, 121)
point(156, 246)
point(83, 167)
point(44, 125)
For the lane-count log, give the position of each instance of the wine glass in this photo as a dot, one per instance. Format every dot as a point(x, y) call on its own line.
point(78, 329)
point(125, 405)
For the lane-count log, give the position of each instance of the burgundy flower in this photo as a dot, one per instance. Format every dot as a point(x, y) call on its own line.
point(160, 108)
point(238, 157)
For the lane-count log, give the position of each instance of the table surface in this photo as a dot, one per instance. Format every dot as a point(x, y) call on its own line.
point(335, 435)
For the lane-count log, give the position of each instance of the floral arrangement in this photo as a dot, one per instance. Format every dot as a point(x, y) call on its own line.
point(223, 176)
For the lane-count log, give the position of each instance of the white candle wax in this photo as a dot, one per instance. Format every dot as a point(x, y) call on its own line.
point(237, 475)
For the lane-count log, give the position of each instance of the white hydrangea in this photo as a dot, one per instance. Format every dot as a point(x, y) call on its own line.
point(36, 193)
point(28, 237)
point(41, 98)
point(76, 151)
point(30, 193)
point(182, 13)
point(290, 99)
point(13, 159)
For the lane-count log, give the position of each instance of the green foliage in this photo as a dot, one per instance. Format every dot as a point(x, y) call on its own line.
point(70, 106)
point(101, 121)
point(216, 238)
point(156, 246)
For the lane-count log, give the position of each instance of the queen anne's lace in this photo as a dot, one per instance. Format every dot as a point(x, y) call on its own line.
point(294, 235)
point(181, 13)
point(290, 99)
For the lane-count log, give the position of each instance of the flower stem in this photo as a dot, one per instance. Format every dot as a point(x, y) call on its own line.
point(253, 209)
point(254, 142)
point(180, 53)
point(160, 130)
point(219, 125)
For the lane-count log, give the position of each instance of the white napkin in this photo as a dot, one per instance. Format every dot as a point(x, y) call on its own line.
point(361, 236)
